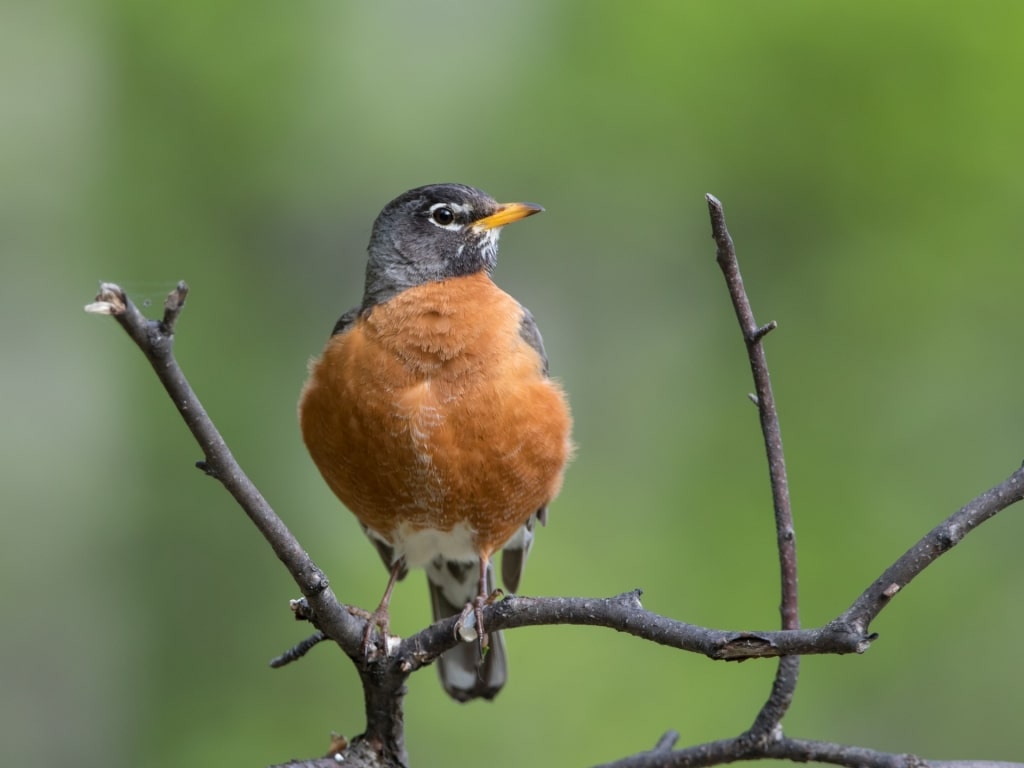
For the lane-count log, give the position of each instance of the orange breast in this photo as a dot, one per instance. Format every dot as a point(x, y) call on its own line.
point(433, 412)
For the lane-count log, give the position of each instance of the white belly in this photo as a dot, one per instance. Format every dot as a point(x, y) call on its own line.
point(419, 547)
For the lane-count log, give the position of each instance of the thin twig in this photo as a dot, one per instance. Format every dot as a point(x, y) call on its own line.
point(795, 750)
point(788, 672)
point(928, 549)
point(298, 650)
point(806, 751)
point(155, 339)
point(666, 742)
point(753, 334)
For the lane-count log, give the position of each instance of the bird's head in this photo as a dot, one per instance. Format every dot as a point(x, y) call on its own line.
point(435, 233)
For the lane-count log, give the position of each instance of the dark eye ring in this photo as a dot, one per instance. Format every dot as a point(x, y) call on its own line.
point(443, 215)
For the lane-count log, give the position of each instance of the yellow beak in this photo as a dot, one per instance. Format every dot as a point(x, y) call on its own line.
point(506, 214)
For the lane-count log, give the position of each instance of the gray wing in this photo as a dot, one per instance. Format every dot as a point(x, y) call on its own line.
point(513, 556)
point(345, 321)
point(530, 333)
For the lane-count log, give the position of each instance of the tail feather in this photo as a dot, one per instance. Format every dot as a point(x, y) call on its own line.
point(465, 673)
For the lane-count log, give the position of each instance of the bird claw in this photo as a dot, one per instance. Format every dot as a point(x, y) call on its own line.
point(465, 627)
point(378, 619)
point(470, 625)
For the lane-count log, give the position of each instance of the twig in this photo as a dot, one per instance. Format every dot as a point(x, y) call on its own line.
point(666, 742)
point(788, 672)
point(298, 650)
point(805, 751)
point(753, 334)
point(796, 750)
point(155, 338)
point(943, 537)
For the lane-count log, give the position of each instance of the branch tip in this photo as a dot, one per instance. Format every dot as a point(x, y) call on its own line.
point(110, 300)
point(298, 650)
point(759, 333)
point(666, 742)
point(173, 305)
point(301, 609)
point(719, 230)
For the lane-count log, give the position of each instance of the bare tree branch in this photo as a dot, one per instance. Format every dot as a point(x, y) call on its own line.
point(788, 672)
point(384, 675)
point(796, 750)
point(753, 335)
point(155, 338)
point(765, 738)
point(805, 751)
point(934, 544)
point(298, 650)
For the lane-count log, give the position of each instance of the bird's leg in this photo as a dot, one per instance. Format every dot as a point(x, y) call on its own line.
point(380, 617)
point(482, 598)
point(479, 602)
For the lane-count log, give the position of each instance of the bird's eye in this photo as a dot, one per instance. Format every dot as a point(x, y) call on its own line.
point(442, 215)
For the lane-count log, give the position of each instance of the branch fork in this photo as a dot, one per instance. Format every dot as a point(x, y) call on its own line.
point(384, 676)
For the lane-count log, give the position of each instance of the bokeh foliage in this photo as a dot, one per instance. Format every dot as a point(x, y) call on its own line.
point(870, 160)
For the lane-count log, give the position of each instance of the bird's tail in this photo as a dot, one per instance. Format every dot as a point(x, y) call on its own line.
point(465, 673)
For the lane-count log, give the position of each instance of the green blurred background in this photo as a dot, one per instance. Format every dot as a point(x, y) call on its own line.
point(870, 159)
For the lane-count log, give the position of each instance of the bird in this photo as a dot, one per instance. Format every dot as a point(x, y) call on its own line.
point(432, 417)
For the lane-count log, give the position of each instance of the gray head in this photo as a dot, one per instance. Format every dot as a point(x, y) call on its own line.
point(435, 233)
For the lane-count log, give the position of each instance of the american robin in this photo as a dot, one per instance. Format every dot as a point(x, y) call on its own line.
point(431, 416)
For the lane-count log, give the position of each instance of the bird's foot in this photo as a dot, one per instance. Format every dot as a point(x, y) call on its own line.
point(378, 619)
point(359, 613)
point(470, 625)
